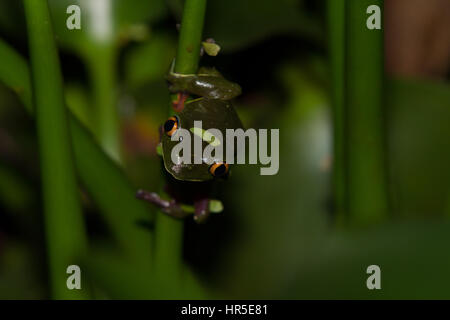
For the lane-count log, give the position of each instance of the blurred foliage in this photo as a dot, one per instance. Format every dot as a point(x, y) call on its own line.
point(261, 19)
point(103, 22)
point(276, 237)
point(419, 118)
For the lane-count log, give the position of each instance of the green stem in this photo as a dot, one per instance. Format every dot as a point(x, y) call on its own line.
point(336, 35)
point(188, 53)
point(103, 179)
point(101, 64)
point(168, 231)
point(365, 150)
point(65, 234)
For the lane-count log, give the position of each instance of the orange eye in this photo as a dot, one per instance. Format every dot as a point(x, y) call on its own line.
point(170, 126)
point(219, 169)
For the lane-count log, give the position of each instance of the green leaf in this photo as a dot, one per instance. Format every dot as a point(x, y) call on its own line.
point(211, 49)
point(102, 178)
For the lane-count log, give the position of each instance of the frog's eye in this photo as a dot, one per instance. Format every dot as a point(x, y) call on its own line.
point(171, 125)
point(219, 169)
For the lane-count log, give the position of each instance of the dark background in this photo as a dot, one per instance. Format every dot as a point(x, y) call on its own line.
point(277, 236)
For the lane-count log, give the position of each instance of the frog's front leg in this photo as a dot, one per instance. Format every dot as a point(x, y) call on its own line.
point(171, 208)
point(178, 103)
point(208, 83)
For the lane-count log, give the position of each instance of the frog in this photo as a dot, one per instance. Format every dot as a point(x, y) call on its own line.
point(205, 96)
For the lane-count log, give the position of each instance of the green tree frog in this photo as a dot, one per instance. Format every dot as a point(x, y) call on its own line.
point(204, 97)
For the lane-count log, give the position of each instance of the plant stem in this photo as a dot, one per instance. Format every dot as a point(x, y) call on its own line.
point(336, 35)
point(365, 150)
point(103, 179)
point(168, 231)
point(188, 53)
point(101, 64)
point(65, 234)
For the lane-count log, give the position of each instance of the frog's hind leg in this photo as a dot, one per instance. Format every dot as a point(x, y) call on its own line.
point(171, 208)
point(202, 211)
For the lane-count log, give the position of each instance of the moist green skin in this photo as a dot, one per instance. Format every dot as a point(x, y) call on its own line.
point(216, 114)
point(208, 83)
point(213, 108)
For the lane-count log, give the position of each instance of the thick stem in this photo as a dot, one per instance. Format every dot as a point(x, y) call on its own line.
point(168, 231)
point(365, 150)
point(102, 70)
point(64, 226)
point(336, 35)
point(189, 43)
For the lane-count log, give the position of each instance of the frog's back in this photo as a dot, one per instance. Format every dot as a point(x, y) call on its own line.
point(213, 114)
point(217, 114)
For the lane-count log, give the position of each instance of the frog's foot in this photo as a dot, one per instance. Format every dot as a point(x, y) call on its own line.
point(202, 211)
point(171, 208)
point(178, 104)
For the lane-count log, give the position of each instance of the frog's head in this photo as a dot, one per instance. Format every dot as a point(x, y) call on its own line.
point(213, 114)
